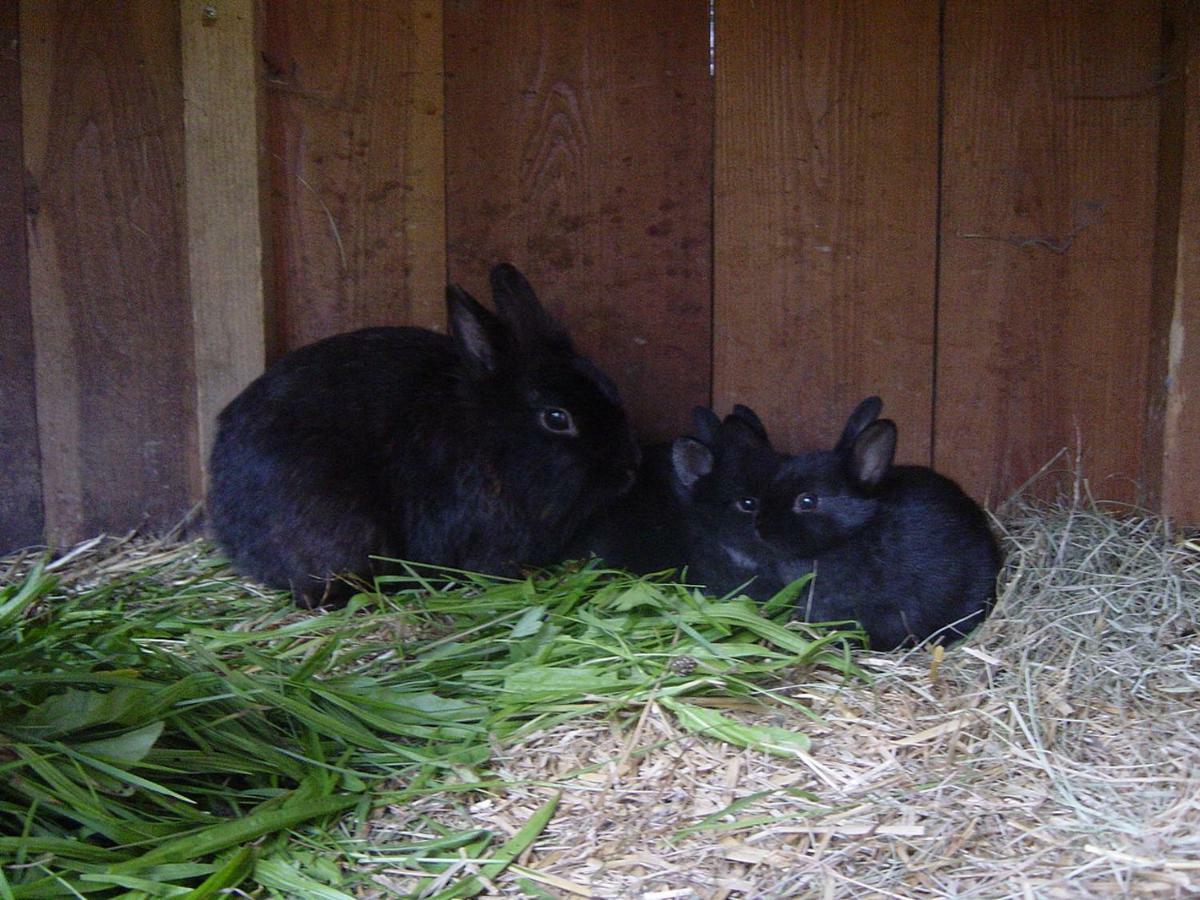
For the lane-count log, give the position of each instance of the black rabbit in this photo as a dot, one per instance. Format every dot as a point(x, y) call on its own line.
point(481, 450)
point(693, 506)
point(901, 549)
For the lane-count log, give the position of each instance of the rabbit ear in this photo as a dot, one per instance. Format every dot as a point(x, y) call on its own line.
point(479, 335)
point(518, 305)
point(873, 452)
point(706, 423)
point(864, 414)
point(691, 460)
point(738, 432)
point(750, 417)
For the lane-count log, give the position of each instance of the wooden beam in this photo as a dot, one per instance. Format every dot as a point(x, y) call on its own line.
point(1049, 188)
point(579, 148)
point(1181, 430)
point(826, 207)
point(355, 154)
point(221, 115)
point(103, 141)
point(20, 478)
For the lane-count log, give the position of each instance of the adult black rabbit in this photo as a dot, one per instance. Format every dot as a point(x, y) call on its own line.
point(482, 449)
point(901, 549)
point(693, 505)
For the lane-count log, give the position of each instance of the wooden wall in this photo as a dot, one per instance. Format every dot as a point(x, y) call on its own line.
point(102, 120)
point(578, 143)
point(21, 518)
point(984, 210)
point(826, 212)
point(1047, 232)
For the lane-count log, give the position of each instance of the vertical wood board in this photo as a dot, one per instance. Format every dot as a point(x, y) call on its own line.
point(224, 237)
point(354, 140)
point(579, 149)
point(1172, 91)
point(1047, 235)
point(103, 132)
point(826, 201)
point(20, 480)
point(1181, 437)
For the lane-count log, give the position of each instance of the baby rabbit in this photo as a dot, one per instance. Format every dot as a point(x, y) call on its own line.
point(693, 505)
point(899, 548)
point(482, 449)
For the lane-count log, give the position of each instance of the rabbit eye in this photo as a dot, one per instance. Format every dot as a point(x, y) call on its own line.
point(557, 421)
point(806, 501)
point(746, 504)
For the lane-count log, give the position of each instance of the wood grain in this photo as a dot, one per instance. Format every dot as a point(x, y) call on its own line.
point(579, 148)
point(224, 236)
point(826, 201)
point(1047, 236)
point(1181, 422)
point(354, 135)
point(103, 131)
point(20, 478)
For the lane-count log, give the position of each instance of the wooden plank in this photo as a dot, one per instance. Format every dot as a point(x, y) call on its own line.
point(579, 149)
point(1181, 427)
point(826, 204)
point(1164, 265)
point(20, 478)
point(1047, 238)
point(354, 135)
point(224, 238)
point(103, 138)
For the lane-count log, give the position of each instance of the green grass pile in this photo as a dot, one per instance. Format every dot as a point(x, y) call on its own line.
point(166, 731)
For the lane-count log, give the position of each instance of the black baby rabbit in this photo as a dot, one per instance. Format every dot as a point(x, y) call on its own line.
point(693, 505)
point(482, 449)
point(899, 548)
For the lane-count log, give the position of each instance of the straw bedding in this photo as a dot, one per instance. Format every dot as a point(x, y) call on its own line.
point(1055, 754)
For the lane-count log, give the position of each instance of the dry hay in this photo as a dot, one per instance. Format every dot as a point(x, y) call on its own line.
point(1055, 753)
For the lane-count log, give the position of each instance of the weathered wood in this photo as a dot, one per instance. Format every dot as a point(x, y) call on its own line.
point(354, 135)
point(224, 237)
point(579, 148)
point(1164, 264)
point(103, 139)
point(826, 201)
point(20, 479)
point(1181, 423)
point(1048, 224)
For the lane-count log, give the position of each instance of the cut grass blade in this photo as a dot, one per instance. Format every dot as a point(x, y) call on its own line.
point(504, 855)
point(157, 722)
point(711, 723)
point(228, 834)
point(233, 872)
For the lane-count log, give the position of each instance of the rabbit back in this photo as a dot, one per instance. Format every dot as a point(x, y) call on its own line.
point(901, 549)
point(482, 449)
point(642, 531)
point(924, 566)
point(298, 468)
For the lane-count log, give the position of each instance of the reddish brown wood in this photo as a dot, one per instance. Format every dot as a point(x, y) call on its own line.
point(579, 148)
point(354, 136)
point(826, 199)
point(1179, 281)
point(1172, 123)
point(103, 145)
point(1047, 235)
point(20, 478)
